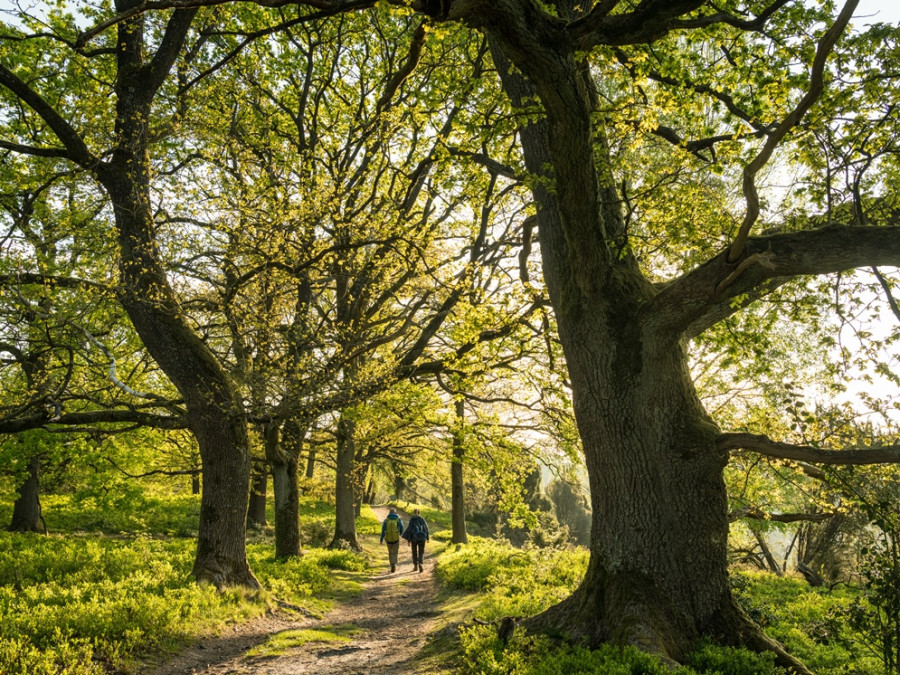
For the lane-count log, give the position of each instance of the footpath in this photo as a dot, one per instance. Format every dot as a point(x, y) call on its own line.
point(387, 626)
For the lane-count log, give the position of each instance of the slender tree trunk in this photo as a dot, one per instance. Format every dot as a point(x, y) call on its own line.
point(457, 485)
point(399, 487)
point(195, 483)
point(26, 515)
point(767, 553)
point(256, 511)
point(284, 457)
point(311, 463)
point(344, 498)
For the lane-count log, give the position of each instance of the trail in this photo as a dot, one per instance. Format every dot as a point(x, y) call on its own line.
point(394, 616)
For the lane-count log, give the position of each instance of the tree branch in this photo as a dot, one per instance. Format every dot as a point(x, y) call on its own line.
point(757, 513)
point(699, 299)
point(888, 454)
point(75, 148)
point(816, 87)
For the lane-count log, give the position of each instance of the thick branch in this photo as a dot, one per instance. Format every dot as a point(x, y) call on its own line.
point(77, 419)
point(888, 454)
point(75, 148)
point(756, 513)
point(699, 299)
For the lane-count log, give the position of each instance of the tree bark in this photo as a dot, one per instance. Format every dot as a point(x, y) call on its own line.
point(256, 511)
point(284, 457)
point(344, 497)
point(311, 464)
point(214, 409)
point(26, 515)
point(457, 485)
point(657, 577)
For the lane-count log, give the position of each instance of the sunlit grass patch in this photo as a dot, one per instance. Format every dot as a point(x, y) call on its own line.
point(294, 638)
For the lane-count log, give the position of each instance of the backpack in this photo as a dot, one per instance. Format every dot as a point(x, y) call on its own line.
point(392, 531)
point(419, 533)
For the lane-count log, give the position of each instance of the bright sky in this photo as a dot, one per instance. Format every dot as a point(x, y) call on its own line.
point(887, 11)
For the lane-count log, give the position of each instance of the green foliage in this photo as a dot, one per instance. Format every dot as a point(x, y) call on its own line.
point(803, 619)
point(729, 661)
point(129, 508)
point(87, 604)
point(484, 654)
point(519, 583)
point(471, 566)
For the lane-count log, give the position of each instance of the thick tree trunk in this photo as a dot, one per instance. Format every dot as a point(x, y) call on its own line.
point(214, 410)
point(344, 497)
point(657, 577)
point(256, 509)
point(284, 457)
point(26, 515)
point(457, 485)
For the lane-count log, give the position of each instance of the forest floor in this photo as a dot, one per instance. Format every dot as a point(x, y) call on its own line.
point(382, 630)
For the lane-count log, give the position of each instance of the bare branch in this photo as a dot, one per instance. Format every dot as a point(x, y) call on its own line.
point(757, 513)
point(892, 301)
point(816, 87)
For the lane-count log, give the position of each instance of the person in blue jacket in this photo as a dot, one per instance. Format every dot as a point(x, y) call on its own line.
point(417, 534)
point(391, 529)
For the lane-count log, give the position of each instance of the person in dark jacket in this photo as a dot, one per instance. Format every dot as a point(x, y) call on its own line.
point(391, 529)
point(416, 534)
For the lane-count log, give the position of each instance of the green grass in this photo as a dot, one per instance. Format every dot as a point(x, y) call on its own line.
point(119, 585)
point(286, 640)
point(500, 580)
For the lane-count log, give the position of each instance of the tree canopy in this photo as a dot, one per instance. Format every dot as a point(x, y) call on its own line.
point(686, 177)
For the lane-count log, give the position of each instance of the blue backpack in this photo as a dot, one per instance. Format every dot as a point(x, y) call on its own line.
point(419, 532)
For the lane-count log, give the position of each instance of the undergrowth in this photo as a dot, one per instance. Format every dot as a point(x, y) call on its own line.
point(90, 602)
point(523, 582)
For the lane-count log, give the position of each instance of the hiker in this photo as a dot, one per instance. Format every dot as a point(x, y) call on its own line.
point(391, 529)
point(417, 534)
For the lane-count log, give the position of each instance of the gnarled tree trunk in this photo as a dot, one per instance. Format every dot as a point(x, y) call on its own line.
point(214, 409)
point(284, 456)
point(657, 577)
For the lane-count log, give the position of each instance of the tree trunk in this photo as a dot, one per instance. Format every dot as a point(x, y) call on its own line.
point(399, 486)
point(195, 483)
point(214, 410)
point(256, 511)
point(26, 515)
point(284, 457)
point(457, 486)
point(657, 577)
point(344, 498)
point(311, 464)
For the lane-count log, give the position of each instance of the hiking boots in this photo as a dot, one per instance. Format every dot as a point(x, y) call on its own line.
point(392, 568)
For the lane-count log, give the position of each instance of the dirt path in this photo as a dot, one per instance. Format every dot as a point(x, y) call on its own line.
point(392, 619)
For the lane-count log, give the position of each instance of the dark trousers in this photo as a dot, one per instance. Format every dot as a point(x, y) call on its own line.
point(418, 551)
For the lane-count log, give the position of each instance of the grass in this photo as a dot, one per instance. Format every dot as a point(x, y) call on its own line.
point(488, 580)
point(117, 585)
point(287, 640)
